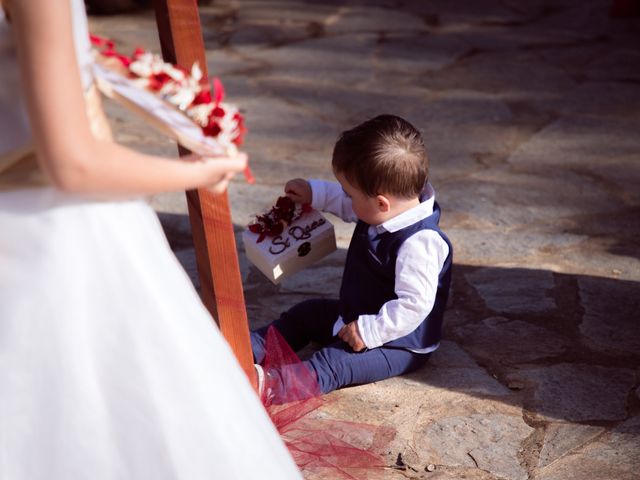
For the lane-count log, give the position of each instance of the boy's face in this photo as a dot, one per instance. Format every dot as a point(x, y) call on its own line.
point(365, 207)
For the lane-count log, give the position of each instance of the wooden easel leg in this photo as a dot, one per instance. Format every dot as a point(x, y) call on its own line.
point(213, 237)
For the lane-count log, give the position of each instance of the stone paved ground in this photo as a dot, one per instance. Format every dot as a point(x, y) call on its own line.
point(531, 111)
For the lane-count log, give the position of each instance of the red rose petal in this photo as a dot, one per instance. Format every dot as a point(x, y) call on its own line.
point(218, 90)
point(126, 61)
point(248, 175)
point(212, 129)
point(99, 41)
point(138, 51)
point(280, 215)
point(276, 229)
point(203, 97)
point(157, 81)
point(284, 202)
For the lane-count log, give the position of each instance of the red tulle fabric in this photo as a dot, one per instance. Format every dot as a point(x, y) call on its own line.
point(322, 448)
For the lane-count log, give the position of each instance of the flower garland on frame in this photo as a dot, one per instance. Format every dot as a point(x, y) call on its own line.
point(188, 91)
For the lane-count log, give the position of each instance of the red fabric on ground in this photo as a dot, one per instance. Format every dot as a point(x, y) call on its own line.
point(333, 449)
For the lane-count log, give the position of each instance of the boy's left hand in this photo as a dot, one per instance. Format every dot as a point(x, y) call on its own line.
point(350, 334)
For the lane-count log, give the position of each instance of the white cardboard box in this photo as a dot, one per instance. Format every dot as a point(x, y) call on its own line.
point(301, 244)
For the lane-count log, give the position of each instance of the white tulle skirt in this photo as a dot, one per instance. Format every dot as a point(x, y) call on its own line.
point(110, 367)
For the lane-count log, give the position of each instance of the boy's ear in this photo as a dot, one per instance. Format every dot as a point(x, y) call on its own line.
point(384, 205)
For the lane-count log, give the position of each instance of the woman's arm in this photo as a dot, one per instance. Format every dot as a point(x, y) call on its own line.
point(69, 154)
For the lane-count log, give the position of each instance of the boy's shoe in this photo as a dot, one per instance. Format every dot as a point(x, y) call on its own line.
point(259, 378)
point(265, 392)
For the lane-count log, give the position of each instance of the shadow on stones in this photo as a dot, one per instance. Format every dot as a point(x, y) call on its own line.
point(564, 347)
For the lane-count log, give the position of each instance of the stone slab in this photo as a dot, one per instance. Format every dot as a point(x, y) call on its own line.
point(508, 199)
point(506, 248)
point(488, 442)
point(450, 354)
point(227, 61)
point(514, 290)
point(613, 456)
point(600, 99)
point(417, 54)
point(583, 141)
point(577, 392)
point(514, 75)
point(449, 16)
point(498, 340)
point(273, 121)
point(473, 380)
point(561, 439)
point(370, 19)
point(324, 60)
point(622, 173)
point(284, 12)
point(461, 107)
point(570, 23)
point(610, 322)
point(619, 65)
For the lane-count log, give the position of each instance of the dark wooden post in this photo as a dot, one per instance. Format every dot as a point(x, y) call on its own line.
point(221, 285)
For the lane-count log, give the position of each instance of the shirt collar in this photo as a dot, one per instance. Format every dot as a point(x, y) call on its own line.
point(413, 215)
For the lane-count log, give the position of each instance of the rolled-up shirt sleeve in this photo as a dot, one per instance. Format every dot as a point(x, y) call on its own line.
point(329, 197)
point(419, 262)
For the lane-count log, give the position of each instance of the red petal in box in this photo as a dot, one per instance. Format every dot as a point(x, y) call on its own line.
point(287, 239)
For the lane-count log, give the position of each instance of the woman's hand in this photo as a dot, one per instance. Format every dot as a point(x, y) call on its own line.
point(298, 190)
point(220, 170)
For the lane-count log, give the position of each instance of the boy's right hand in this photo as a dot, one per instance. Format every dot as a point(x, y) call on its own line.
point(298, 190)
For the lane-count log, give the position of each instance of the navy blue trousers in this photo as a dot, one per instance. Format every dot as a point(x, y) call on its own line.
point(335, 364)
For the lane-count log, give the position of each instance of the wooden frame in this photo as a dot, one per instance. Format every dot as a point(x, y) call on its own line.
point(213, 237)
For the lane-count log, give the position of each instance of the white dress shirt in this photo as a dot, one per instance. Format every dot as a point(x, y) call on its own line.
point(418, 265)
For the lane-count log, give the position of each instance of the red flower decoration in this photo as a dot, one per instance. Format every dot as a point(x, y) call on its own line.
point(281, 215)
point(138, 51)
point(158, 80)
point(248, 174)
point(203, 97)
point(218, 90)
point(218, 112)
point(109, 52)
point(98, 41)
point(212, 129)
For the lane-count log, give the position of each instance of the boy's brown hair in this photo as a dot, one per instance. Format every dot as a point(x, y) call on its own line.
point(384, 155)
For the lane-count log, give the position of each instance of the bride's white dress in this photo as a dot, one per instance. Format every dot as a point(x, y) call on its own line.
point(110, 367)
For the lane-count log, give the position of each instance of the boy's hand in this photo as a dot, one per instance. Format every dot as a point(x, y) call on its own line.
point(298, 190)
point(350, 334)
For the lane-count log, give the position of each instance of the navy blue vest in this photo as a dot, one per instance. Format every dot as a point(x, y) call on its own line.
point(369, 279)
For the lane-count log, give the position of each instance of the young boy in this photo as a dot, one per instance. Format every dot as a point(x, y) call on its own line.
point(397, 274)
